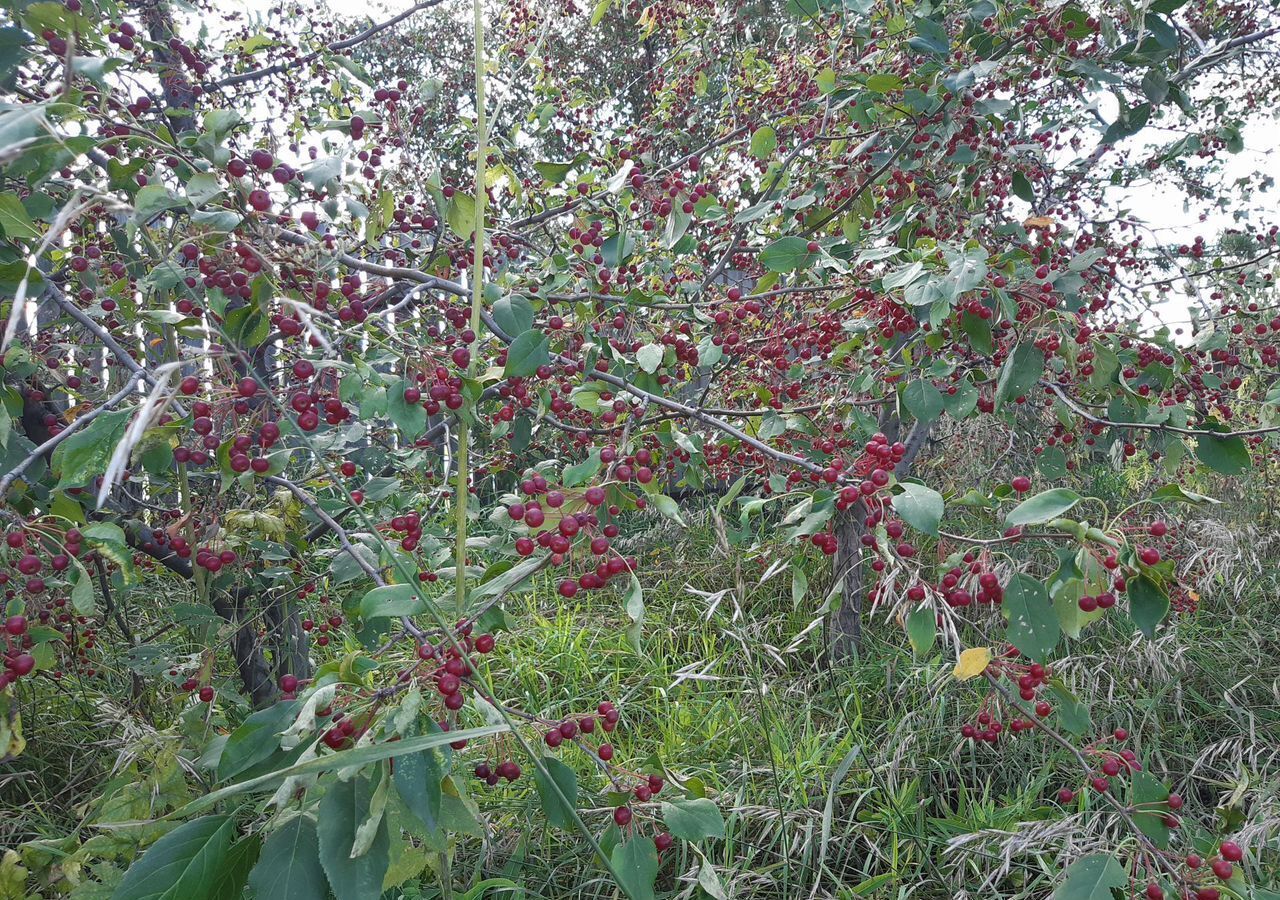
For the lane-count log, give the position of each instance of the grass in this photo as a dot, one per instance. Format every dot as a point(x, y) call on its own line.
point(841, 783)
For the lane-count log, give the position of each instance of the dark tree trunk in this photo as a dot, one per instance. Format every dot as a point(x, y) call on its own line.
point(845, 623)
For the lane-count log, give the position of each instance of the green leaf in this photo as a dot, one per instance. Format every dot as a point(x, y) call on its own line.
point(1043, 507)
point(153, 200)
point(526, 353)
point(598, 13)
point(1072, 714)
point(1022, 188)
point(203, 187)
point(763, 142)
point(513, 313)
point(1019, 374)
point(1148, 604)
point(979, 331)
point(923, 400)
point(461, 215)
point(182, 865)
point(553, 172)
point(255, 740)
point(1092, 878)
point(1033, 625)
point(1227, 455)
point(582, 472)
point(649, 357)
point(922, 629)
point(246, 327)
point(84, 456)
point(289, 866)
point(17, 225)
point(677, 224)
point(617, 249)
point(557, 812)
point(241, 858)
point(667, 507)
point(13, 52)
point(786, 255)
point(693, 820)
point(920, 507)
point(931, 37)
point(963, 402)
point(1155, 86)
point(1176, 493)
point(418, 778)
point(82, 591)
point(343, 810)
point(410, 418)
point(1150, 801)
point(636, 866)
point(392, 600)
point(883, 83)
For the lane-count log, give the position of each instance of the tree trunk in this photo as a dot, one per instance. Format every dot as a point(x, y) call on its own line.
point(845, 626)
point(845, 623)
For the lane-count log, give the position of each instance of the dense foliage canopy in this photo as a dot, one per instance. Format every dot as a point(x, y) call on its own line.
point(324, 339)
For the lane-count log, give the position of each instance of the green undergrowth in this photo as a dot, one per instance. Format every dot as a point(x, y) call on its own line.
point(845, 781)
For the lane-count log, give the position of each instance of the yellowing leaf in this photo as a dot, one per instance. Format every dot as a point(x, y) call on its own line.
point(76, 411)
point(1038, 222)
point(973, 662)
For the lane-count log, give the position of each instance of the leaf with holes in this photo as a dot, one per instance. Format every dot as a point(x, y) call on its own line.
point(1092, 878)
point(1033, 624)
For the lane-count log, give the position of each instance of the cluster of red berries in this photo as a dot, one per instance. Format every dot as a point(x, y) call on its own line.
point(987, 726)
point(17, 661)
point(449, 665)
point(325, 626)
point(571, 728)
point(585, 522)
point(29, 563)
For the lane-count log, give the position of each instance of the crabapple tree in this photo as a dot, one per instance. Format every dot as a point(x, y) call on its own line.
point(324, 338)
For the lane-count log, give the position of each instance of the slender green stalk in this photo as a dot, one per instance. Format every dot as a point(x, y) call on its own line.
point(477, 296)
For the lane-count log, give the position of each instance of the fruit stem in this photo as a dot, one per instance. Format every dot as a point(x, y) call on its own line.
point(477, 296)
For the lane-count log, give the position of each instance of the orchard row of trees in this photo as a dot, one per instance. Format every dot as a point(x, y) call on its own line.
point(324, 339)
